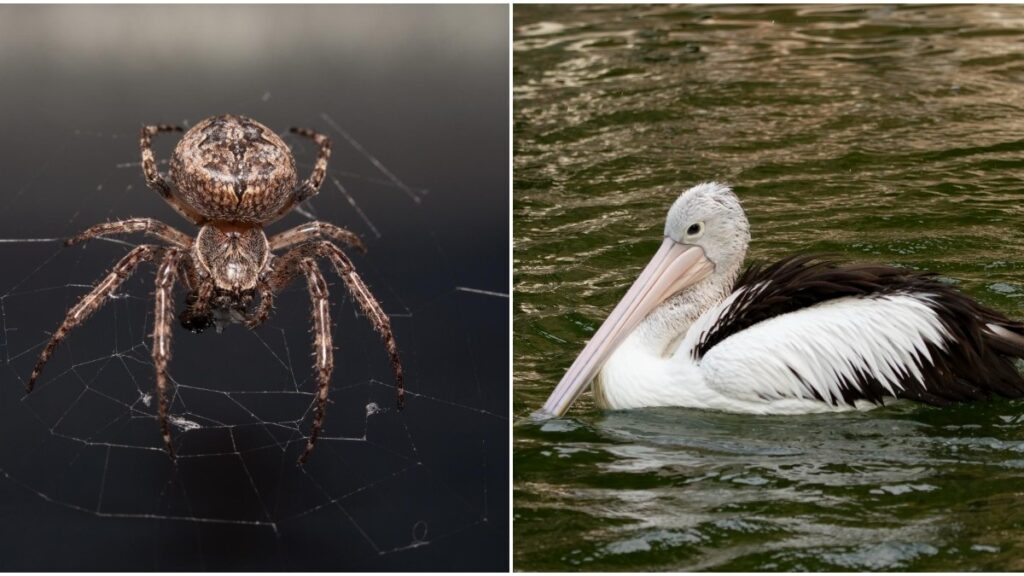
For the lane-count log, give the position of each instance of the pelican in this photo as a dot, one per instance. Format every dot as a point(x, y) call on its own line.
point(799, 336)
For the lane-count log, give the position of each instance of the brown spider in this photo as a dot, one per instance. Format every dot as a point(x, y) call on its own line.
point(232, 176)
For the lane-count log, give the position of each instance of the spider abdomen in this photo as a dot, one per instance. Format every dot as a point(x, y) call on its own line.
point(232, 168)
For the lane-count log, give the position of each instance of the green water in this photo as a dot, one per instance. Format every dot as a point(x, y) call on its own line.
point(889, 134)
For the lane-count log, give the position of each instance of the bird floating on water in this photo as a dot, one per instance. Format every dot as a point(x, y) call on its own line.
point(799, 336)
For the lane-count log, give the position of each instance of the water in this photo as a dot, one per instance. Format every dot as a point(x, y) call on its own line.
point(881, 134)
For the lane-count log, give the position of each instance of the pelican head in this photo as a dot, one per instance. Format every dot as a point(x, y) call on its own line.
point(710, 216)
point(706, 237)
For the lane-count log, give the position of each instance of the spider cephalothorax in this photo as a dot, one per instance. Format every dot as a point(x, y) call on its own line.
point(233, 257)
point(231, 176)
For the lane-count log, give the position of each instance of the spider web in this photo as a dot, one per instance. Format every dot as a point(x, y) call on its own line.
point(382, 489)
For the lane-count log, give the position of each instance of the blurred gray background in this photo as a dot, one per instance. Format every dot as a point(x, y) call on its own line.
point(424, 91)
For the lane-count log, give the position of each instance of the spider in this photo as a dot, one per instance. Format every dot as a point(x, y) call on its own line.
point(231, 176)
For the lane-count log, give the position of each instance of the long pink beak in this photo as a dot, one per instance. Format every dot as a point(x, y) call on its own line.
point(674, 267)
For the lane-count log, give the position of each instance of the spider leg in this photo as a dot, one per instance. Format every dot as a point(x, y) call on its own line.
point(148, 226)
point(163, 316)
point(371, 309)
point(310, 186)
point(196, 316)
point(355, 285)
point(303, 233)
point(286, 267)
point(157, 181)
point(92, 302)
point(322, 349)
point(283, 270)
point(187, 273)
point(316, 178)
point(262, 312)
point(315, 230)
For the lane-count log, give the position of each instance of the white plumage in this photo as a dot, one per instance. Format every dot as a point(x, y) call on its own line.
point(818, 347)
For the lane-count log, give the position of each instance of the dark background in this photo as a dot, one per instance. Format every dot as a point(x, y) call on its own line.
point(83, 482)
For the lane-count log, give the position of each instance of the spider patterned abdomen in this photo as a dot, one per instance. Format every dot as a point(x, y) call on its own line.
point(232, 168)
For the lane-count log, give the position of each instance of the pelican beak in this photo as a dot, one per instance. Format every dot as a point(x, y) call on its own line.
point(674, 267)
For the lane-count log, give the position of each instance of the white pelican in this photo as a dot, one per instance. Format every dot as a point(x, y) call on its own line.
point(802, 335)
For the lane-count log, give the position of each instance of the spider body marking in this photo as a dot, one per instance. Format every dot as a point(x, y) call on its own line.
point(231, 176)
point(234, 169)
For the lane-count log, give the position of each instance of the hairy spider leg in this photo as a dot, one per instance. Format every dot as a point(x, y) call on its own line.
point(286, 268)
point(266, 305)
point(322, 348)
point(197, 315)
point(313, 231)
point(280, 277)
point(92, 302)
point(300, 234)
point(149, 226)
point(310, 186)
point(371, 309)
point(316, 178)
point(157, 181)
point(163, 315)
point(284, 271)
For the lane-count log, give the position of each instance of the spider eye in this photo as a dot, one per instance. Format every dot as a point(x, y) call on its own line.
point(695, 229)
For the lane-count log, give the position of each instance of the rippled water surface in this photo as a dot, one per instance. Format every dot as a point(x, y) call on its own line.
point(890, 134)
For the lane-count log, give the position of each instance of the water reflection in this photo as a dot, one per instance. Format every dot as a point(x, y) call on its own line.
point(821, 491)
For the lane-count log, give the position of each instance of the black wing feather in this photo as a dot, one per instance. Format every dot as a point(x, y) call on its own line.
point(977, 363)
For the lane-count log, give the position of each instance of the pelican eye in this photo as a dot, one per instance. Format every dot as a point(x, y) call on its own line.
point(695, 229)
